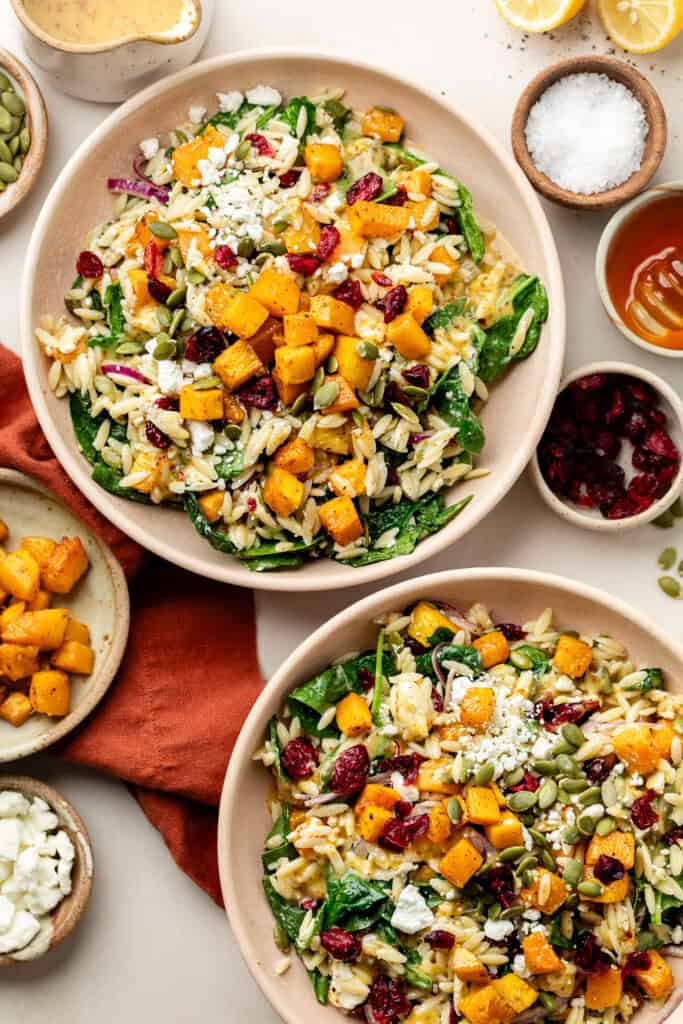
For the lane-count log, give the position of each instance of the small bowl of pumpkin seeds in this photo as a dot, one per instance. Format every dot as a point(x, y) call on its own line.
point(23, 131)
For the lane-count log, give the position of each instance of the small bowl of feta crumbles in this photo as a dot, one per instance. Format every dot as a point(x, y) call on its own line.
point(46, 869)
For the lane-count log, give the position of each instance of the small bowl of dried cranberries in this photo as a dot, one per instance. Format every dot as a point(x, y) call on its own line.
point(610, 457)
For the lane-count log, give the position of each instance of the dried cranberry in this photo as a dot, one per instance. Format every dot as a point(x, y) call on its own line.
point(260, 393)
point(167, 402)
point(329, 240)
point(590, 957)
point(260, 144)
point(591, 382)
point(156, 436)
point(555, 715)
point(89, 265)
point(393, 393)
point(587, 410)
point(656, 418)
point(393, 479)
point(636, 962)
point(157, 289)
point(407, 765)
point(608, 869)
point(366, 678)
point(341, 945)
point(225, 257)
point(394, 303)
point(643, 813)
point(658, 442)
point(556, 475)
point(674, 835)
point(252, 504)
point(510, 630)
point(153, 259)
point(320, 192)
point(640, 391)
point(311, 904)
point(437, 701)
point(643, 486)
point(528, 783)
point(399, 198)
point(205, 345)
point(302, 264)
point(350, 770)
point(350, 293)
point(418, 375)
point(665, 478)
point(386, 1001)
point(621, 508)
point(500, 881)
point(439, 939)
point(368, 187)
point(452, 226)
point(635, 426)
point(290, 178)
point(299, 758)
point(599, 768)
point(383, 280)
point(403, 809)
point(398, 834)
point(616, 407)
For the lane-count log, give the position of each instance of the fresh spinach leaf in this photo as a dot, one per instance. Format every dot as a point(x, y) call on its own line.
point(441, 636)
point(109, 479)
point(417, 978)
point(85, 429)
point(351, 896)
point(556, 937)
point(469, 227)
point(453, 406)
point(290, 116)
point(271, 855)
point(335, 682)
point(528, 297)
point(539, 660)
point(263, 119)
point(339, 114)
point(379, 679)
point(219, 541)
point(229, 119)
point(414, 521)
point(275, 746)
point(116, 321)
point(288, 915)
point(321, 986)
point(444, 316)
point(433, 513)
point(468, 656)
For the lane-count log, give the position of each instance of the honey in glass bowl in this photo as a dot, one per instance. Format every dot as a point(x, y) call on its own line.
point(644, 271)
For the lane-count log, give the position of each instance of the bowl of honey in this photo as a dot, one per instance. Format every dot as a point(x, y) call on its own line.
point(639, 270)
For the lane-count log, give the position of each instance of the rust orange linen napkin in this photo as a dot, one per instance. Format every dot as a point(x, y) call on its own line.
point(187, 680)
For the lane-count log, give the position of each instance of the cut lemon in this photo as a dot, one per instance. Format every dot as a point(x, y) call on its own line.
point(641, 26)
point(538, 15)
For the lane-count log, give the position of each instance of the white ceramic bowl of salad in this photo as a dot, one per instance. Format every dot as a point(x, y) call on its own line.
point(248, 207)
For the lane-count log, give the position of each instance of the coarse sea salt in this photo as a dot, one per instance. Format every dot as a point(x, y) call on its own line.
point(587, 133)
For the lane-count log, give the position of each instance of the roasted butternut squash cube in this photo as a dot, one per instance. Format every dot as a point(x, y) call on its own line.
point(482, 806)
point(201, 404)
point(283, 492)
point(12, 613)
point(300, 329)
point(278, 292)
point(188, 237)
point(76, 630)
point(377, 220)
point(466, 966)
point(4, 531)
point(620, 845)
point(442, 256)
point(435, 776)
point(420, 303)
point(408, 338)
point(139, 283)
point(547, 893)
point(485, 1006)
point(296, 456)
point(40, 602)
point(322, 348)
point(16, 709)
point(518, 994)
point(416, 181)
point(493, 648)
point(332, 315)
point(153, 465)
point(353, 715)
point(656, 980)
point(324, 161)
point(539, 955)
point(612, 892)
point(266, 340)
point(65, 566)
point(370, 822)
point(663, 734)
point(287, 391)
point(604, 990)
point(142, 235)
point(49, 693)
point(340, 519)
point(211, 505)
point(336, 440)
point(635, 746)
point(186, 157)
point(346, 397)
point(74, 657)
point(234, 311)
point(303, 234)
point(379, 796)
point(477, 707)
point(350, 244)
point(425, 213)
point(460, 863)
point(44, 630)
point(353, 368)
point(440, 826)
point(425, 619)
point(572, 657)
point(20, 575)
point(384, 123)
point(295, 365)
point(238, 364)
point(505, 832)
point(349, 478)
point(17, 662)
point(40, 547)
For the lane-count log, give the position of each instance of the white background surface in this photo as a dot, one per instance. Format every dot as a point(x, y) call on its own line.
point(152, 946)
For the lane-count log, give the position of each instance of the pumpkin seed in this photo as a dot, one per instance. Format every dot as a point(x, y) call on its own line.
point(665, 521)
point(412, 391)
point(128, 348)
point(18, 163)
point(332, 364)
point(494, 911)
point(568, 766)
point(176, 256)
point(570, 835)
point(586, 825)
point(164, 348)
point(187, 323)
point(563, 796)
point(168, 264)
point(196, 277)
point(513, 777)
point(274, 248)
point(646, 940)
point(317, 379)
point(6, 120)
point(176, 297)
point(605, 826)
point(545, 767)
point(547, 860)
point(243, 150)
point(589, 889)
point(298, 403)
point(485, 774)
point(522, 801)
point(4, 82)
point(606, 686)
point(547, 1000)
point(590, 796)
point(5, 154)
point(526, 864)
point(572, 901)
point(13, 102)
point(7, 173)
point(206, 383)
point(574, 785)
point(511, 912)
point(667, 558)
point(668, 584)
point(608, 792)
point(677, 508)
point(547, 794)
point(366, 350)
point(527, 879)
point(232, 431)
point(24, 139)
point(521, 660)
point(175, 322)
point(573, 735)
point(405, 413)
point(680, 568)
point(326, 395)
point(573, 873)
point(511, 852)
point(164, 316)
point(562, 748)
point(539, 838)
point(246, 247)
point(454, 809)
point(162, 230)
point(281, 224)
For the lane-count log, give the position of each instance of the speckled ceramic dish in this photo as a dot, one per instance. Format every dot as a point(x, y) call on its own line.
point(68, 913)
point(100, 599)
point(513, 595)
point(512, 421)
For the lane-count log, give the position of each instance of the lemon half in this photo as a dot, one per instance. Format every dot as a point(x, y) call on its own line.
point(539, 15)
point(641, 26)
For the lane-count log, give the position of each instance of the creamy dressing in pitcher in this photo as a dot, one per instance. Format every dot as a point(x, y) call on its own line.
point(102, 21)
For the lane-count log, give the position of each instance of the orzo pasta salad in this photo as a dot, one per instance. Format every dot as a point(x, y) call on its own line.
point(479, 821)
point(287, 327)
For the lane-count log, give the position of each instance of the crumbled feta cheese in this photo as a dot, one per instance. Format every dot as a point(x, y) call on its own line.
point(411, 914)
point(10, 838)
point(12, 804)
point(149, 147)
point(197, 114)
point(169, 377)
point(337, 273)
point(23, 929)
point(410, 793)
point(264, 96)
point(498, 930)
point(229, 102)
point(542, 746)
point(201, 434)
point(210, 174)
point(217, 156)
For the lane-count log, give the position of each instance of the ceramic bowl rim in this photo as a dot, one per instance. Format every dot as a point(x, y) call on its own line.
point(36, 113)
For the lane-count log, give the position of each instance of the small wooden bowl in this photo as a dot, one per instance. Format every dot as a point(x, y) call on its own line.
point(654, 145)
point(67, 914)
point(36, 116)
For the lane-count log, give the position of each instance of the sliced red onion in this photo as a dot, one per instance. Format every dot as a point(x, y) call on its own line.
point(139, 162)
point(538, 1012)
point(120, 370)
point(381, 778)
point(437, 667)
point(675, 951)
point(146, 189)
point(319, 800)
point(458, 619)
point(480, 842)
